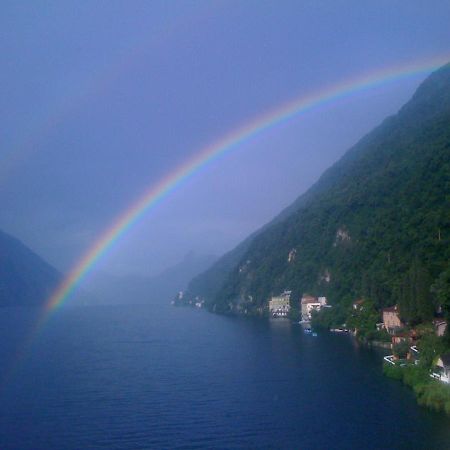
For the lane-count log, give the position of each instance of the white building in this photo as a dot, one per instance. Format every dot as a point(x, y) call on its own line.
point(442, 370)
point(440, 326)
point(309, 304)
point(280, 306)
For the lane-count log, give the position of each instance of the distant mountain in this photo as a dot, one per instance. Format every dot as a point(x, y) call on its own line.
point(375, 217)
point(107, 288)
point(207, 284)
point(25, 278)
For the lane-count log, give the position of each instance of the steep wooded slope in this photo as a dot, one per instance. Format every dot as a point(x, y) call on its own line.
point(383, 208)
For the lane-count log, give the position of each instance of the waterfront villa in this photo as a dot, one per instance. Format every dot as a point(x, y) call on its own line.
point(391, 319)
point(280, 306)
point(442, 371)
point(440, 326)
point(308, 304)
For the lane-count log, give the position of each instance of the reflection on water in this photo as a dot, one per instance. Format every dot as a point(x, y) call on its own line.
point(163, 377)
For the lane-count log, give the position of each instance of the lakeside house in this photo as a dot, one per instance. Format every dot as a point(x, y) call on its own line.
point(401, 337)
point(442, 370)
point(358, 305)
point(391, 319)
point(280, 305)
point(440, 326)
point(308, 304)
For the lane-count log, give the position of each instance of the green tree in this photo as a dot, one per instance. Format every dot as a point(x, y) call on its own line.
point(430, 346)
point(364, 320)
point(415, 299)
point(401, 349)
point(441, 290)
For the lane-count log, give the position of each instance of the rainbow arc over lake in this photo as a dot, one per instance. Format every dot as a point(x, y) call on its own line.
point(227, 143)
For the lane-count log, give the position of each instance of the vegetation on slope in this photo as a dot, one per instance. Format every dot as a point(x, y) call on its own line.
point(429, 392)
point(376, 225)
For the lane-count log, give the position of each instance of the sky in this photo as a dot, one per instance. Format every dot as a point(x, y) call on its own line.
point(103, 99)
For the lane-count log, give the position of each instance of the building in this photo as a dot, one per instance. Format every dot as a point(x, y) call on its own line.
point(308, 304)
point(391, 319)
point(280, 306)
point(442, 370)
point(401, 337)
point(440, 326)
point(358, 305)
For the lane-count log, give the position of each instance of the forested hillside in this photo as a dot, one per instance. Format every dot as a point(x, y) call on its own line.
point(376, 224)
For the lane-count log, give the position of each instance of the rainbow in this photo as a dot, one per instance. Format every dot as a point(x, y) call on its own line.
point(229, 142)
point(226, 144)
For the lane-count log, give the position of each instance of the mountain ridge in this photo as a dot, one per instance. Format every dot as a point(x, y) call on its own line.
point(386, 194)
point(113, 289)
point(25, 278)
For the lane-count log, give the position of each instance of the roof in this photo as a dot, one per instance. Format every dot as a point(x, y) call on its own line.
point(309, 299)
point(438, 322)
point(403, 334)
point(280, 298)
point(390, 309)
point(359, 302)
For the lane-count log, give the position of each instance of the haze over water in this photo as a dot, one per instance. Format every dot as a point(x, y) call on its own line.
point(145, 377)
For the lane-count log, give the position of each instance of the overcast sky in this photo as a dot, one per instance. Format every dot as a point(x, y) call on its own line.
point(102, 99)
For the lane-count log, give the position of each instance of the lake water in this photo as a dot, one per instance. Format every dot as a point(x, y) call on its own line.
point(150, 377)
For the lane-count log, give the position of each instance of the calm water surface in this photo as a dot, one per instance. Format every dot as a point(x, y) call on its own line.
point(149, 377)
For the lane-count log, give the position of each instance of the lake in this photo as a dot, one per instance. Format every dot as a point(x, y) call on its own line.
point(156, 376)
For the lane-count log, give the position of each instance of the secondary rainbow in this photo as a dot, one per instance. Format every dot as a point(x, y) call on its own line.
point(227, 143)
